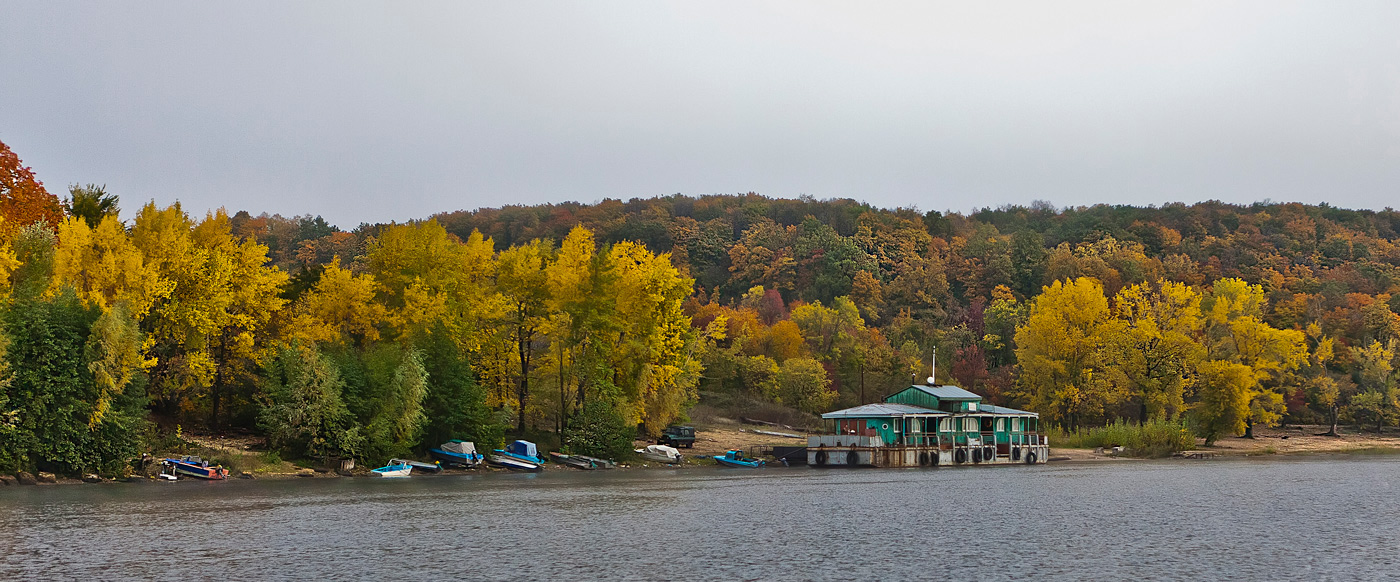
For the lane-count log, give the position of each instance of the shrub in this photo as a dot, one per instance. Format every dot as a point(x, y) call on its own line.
point(1156, 438)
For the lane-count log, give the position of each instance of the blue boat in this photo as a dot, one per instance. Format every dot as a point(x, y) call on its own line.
point(519, 455)
point(197, 468)
point(395, 468)
point(737, 459)
point(455, 453)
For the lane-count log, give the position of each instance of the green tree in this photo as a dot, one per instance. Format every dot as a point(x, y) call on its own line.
point(455, 406)
point(91, 203)
point(803, 384)
point(302, 410)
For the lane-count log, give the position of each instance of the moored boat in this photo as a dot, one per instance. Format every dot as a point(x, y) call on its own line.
point(429, 467)
point(395, 468)
point(572, 461)
point(518, 456)
point(660, 454)
point(195, 467)
point(455, 453)
point(737, 459)
point(597, 463)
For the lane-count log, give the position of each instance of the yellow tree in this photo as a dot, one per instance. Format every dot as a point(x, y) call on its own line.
point(8, 261)
point(106, 267)
point(653, 356)
point(1061, 349)
point(1379, 397)
point(341, 306)
point(425, 274)
point(205, 333)
point(248, 298)
point(1236, 333)
point(582, 307)
point(1159, 347)
point(522, 282)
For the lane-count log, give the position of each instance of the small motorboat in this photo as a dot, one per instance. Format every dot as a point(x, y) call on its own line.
point(456, 453)
point(597, 463)
point(196, 467)
point(660, 454)
point(572, 461)
point(395, 468)
point(429, 467)
point(737, 459)
point(518, 456)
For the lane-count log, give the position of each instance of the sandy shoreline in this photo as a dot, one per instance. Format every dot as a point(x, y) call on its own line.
point(724, 435)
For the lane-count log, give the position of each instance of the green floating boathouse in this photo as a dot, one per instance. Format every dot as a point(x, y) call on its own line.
point(928, 426)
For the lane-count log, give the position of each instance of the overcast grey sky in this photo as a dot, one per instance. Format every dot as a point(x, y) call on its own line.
point(377, 112)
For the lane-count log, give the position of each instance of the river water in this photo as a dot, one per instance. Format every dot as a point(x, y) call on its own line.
point(1334, 518)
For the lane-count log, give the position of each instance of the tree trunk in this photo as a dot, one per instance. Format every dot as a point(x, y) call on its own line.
point(1249, 429)
point(563, 410)
point(862, 382)
point(1333, 430)
point(217, 390)
point(523, 392)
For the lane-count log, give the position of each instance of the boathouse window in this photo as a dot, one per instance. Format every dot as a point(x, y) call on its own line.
point(1001, 425)
point(969, 424)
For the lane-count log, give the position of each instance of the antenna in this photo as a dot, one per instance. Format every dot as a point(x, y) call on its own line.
point(933, 369)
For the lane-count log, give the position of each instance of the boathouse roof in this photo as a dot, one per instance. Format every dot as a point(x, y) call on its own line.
point(1002, 410)
point(946, 392)
point(883, 409)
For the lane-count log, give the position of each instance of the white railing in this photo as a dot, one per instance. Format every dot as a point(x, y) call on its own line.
point(844, 440)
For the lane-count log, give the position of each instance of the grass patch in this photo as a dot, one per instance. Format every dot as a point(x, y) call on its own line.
point(1157, 438)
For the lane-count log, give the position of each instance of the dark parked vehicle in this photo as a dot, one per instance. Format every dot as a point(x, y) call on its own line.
point(678, 436)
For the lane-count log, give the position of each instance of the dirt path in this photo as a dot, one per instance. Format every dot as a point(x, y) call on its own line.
point(720, 435)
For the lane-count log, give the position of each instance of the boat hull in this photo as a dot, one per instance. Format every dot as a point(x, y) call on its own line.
point(572, 461)
point(393, 472)
point(455, 460)
point(737, 464)
point(655, 458)
point(197, 471)
point(514, 464)
point(597, 463)
point(843, 453)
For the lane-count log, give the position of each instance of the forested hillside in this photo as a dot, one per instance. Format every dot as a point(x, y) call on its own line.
point(593, 321)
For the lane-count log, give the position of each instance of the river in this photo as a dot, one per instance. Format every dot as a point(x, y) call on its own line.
point(1320, 518)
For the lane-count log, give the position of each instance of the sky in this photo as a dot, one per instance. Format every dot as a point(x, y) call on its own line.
point(372, 112)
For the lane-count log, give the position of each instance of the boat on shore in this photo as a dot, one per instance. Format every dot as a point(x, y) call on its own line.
point(597, 463)
point(455, 453)
point(429, 467)
point(396, 468)
point(196, 467)
point(572, 461)
point(660, 454)
point(737, 459)
point(517, 456)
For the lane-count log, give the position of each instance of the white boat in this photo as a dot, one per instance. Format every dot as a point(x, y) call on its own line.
point(660, 454)
point(508, 462)
point(395, 468)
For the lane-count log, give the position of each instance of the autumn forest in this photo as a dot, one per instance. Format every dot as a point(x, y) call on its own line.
point(598, 323)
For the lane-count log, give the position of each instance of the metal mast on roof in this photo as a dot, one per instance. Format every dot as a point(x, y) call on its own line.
point(933, 369)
